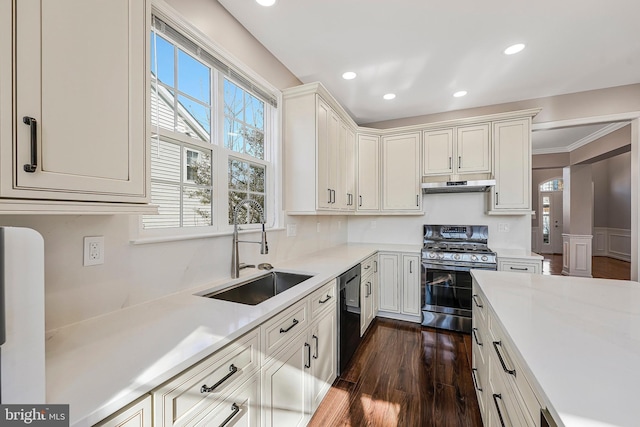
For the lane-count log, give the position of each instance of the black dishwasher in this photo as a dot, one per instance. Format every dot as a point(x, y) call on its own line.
point(348, 316)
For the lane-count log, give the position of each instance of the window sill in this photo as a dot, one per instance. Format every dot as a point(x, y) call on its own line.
point(177, 238)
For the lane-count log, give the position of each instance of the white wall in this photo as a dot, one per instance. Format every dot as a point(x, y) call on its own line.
point(133, 274)
point(457, 209)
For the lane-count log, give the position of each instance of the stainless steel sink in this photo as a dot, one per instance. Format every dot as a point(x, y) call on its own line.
point(259, 289)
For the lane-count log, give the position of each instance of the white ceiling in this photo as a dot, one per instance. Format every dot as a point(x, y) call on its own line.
point(425, 50)
point(564, 139)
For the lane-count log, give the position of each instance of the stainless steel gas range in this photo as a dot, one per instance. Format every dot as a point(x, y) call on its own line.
point(449, 252)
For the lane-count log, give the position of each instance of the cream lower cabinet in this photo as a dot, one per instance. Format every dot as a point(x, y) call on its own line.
point(505, 394)
point(275, 375)
point(76, 128)
point(138, 414)
point(399, 286)
point(519, 265)
point(368, 293)
point(297, 378)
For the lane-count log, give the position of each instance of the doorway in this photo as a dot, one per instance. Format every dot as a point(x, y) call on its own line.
point(551, 216)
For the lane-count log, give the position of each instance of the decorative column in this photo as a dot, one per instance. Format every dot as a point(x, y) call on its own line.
point(577, 220)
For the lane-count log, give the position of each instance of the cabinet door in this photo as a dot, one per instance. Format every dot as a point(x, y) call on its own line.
point(87, 90)
point(349, 169)
point(473, 149)
point(324, 356)
point(324, 156)
point(285, 385)
point(437, 152)
point(239, 409)
point(366, 303)
point(401, 172)
point(368, 173)
point(411, 301)
point(512, 160)
point(138, 414)
point(389, 285)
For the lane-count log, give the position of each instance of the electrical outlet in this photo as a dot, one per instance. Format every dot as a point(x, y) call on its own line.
point(503, 227)
point(93, 250)
point(373, 225)
point(292, 230)
point(318, 226)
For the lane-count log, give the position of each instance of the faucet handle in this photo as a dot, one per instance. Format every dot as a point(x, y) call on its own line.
point(243, 265)
point(265, 266)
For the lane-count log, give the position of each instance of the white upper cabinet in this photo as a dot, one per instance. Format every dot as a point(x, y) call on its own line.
point(77, 126)
point(512, 158)
point(368, 154)
point(460, 150)
point(401, 172)
point(319, 154)
point(473, 149)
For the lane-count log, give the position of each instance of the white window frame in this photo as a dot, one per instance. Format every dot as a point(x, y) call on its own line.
point(219, 153)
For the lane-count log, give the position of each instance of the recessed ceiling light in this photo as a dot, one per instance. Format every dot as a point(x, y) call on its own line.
point(349, 75)
point(389, 96)
point(266, 2)
point(460, 93)
point(514, 49)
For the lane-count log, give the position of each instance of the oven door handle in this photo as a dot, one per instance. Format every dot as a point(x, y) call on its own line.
point(463, 268)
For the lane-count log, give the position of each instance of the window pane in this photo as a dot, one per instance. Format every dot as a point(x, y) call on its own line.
point(194, 119)
point(162, 59)
point(233, 102)
point(254, 143)
point(194, 78)
point(162, 100)
point(165, 161)
point(244, 121)
point(167, 197)
point(254, 112)
point(256, 178)
point(196, 208)
point(197, 167)
point(237, 175)
point(233, 135)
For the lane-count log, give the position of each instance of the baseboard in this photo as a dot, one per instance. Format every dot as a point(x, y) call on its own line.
point(400, 316)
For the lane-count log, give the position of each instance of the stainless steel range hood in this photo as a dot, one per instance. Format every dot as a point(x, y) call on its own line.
point(476, 186)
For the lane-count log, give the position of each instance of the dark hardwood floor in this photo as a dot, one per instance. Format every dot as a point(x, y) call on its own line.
point(404, 375)
point(601, 267)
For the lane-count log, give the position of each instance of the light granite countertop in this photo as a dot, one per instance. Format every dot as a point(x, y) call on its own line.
point(579, 337)
point(102, 364)
point(517, 253)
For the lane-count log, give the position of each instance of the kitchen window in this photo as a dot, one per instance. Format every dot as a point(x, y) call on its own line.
point(213, 139)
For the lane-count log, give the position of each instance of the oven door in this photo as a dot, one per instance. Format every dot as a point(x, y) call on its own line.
point(447, 289)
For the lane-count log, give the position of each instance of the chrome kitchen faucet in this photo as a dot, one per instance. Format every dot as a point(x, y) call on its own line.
point(236, 266)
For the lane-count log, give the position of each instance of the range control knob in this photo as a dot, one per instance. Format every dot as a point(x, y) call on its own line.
point(474, 258)
point(432, 255)
point(441, 256)
point(456, 257)
point(484, 258)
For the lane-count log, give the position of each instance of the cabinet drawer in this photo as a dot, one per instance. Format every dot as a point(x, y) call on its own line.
point(323, 299)
point(502, 349)
point(281, 328)
point(479, 377)
point(369, 265)
point(479, 306)
point(502, 406)
point(137, 414)
point(189, 394)
point(518, 267)
point(240, 409)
